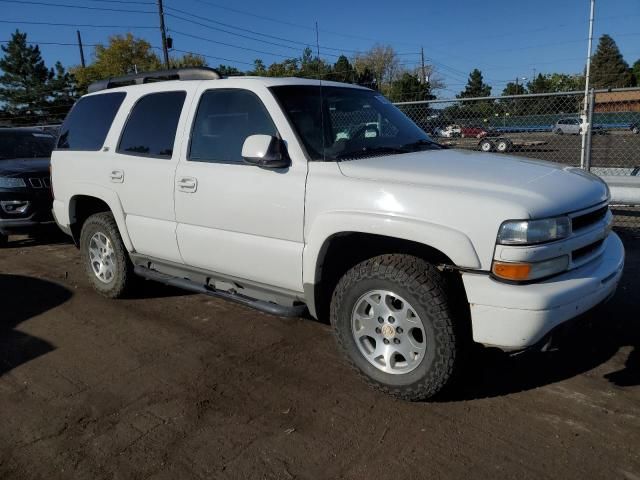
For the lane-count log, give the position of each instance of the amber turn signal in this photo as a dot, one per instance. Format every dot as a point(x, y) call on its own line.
point(512, 271)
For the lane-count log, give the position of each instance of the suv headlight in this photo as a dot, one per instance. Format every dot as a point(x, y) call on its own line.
point(12, 182)
point(529, 232)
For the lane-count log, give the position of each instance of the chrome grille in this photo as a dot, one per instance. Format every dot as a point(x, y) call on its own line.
point(588, 219)
point(40, 182)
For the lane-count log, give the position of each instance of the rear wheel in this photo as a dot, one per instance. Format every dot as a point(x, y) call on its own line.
point(392, 320)
point(104, 256)
point(486, 145)
point(558, 131)
point(503, 145)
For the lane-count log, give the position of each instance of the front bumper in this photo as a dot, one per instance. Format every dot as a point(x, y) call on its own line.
point(38, 214)
point(514, 317)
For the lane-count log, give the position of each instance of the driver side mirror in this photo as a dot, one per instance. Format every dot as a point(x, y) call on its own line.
point(264, 151)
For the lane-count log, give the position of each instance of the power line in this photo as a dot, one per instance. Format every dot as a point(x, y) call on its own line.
point(74, 25)
point(83, 7)
point(171, 15)
point(205, 39)
point(254, 32)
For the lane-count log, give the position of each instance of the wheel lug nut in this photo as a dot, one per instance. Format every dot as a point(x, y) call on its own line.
point(396, 341)
point(386, 341)
point(399, 329)
point(392, 320)
point(378, 330)
point(380, 320)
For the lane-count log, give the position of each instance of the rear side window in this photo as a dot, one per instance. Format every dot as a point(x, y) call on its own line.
point(224, 120)
point(151, 128)
point(88, 123)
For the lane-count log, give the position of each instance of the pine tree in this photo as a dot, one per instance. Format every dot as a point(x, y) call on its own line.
point(475, 86)
point(540, 84)
point(608, 68)
point(343, 71)
point(30, 93)
point(636, 72)
point(409, 88)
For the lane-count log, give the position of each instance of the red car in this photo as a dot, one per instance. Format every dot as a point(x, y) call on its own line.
point(477, 132)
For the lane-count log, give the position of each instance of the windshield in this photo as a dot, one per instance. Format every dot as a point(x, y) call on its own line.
point(25, 144)
point(357, 122)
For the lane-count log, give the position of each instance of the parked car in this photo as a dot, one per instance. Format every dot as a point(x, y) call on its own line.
point(573, 126)
point(243, 188)
point(473, 131)
point(635, 127)
point(567, 125)
point(25, 188)
point(450, 131)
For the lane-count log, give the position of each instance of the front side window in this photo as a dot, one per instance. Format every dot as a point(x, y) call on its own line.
point(342, 122)
point(225, 118)
point(89, 121)
point(151, 128)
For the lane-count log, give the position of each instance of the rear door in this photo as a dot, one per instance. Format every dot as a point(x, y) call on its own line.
point(142, 167)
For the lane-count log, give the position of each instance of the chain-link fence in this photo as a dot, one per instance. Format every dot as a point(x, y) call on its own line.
point(549, 127)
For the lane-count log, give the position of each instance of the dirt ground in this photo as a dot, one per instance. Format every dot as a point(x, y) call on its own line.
point(172, 385)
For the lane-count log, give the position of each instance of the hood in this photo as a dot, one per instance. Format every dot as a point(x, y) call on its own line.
point(541, 188)
point(20, 167)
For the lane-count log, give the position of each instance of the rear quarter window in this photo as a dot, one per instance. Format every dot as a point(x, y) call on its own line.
point(89, 121)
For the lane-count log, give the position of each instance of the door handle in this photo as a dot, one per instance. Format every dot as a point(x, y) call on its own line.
point(117, 176)
point(188, 184)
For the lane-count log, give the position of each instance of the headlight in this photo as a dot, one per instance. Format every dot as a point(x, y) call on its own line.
point(528, 232)
point(11, 182)
point(522, 272)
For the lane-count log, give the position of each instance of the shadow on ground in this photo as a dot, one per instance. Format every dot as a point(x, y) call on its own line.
point(22, 298)
point(597, 337)
point(44, 236)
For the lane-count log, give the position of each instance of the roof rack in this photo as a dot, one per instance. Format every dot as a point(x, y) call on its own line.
point(191, 73)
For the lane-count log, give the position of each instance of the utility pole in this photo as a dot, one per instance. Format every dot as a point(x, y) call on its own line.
point(163, 31)
point(585, 102)
point(423, 71)
point(80, 47)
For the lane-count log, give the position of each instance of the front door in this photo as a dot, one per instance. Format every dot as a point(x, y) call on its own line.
point(233, 218)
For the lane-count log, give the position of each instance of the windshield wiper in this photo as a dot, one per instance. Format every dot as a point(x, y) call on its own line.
point(371, 151)
point(422, 142)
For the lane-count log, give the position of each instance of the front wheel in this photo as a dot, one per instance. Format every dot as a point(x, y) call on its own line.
point(635, 130)
point(104, 256)
point(392, 320)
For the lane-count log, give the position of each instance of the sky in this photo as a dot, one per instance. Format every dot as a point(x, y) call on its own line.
point(505, 39)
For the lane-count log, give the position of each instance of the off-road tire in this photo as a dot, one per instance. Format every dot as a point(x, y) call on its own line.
point(123, 277)
point(424, 287)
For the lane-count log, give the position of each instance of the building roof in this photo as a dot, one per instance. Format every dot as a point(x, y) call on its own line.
point(616, 97)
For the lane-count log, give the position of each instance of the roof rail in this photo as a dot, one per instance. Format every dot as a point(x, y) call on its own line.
point(191, 73)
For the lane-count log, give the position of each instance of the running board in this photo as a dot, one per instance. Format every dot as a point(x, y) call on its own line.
point(263, 306)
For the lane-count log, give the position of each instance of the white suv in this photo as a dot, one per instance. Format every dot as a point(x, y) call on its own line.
point(286, 194)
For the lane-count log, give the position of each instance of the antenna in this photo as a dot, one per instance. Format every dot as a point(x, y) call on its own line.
point(324, 158)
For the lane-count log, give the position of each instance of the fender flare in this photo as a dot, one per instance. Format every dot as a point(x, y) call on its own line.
point(454, 244)
point(113, 202)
